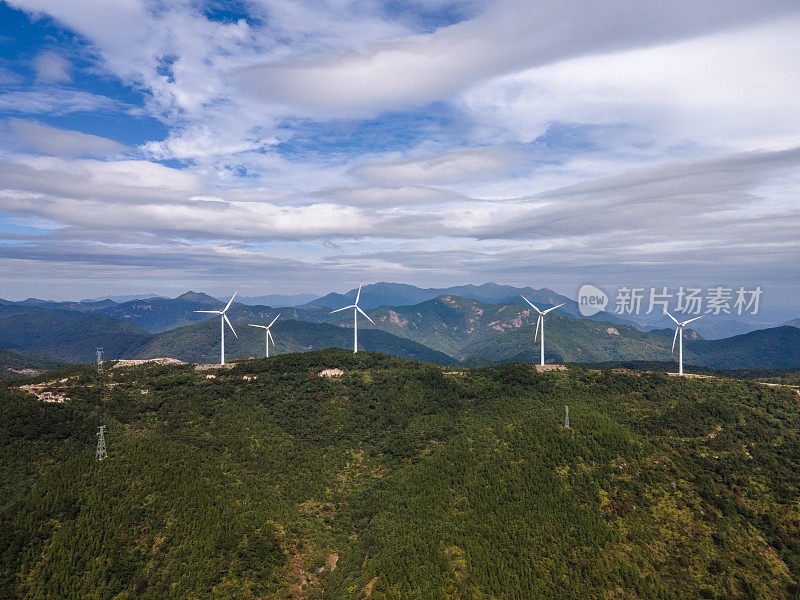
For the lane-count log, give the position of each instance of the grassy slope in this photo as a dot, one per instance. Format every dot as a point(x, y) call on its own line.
point(425, 485)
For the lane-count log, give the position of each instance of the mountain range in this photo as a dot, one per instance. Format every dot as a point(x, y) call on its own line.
point(445, 329)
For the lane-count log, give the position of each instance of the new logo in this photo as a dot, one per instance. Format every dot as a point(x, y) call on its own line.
point(591, 300)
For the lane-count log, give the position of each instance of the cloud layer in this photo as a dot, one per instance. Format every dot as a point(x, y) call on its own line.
point(539, 143)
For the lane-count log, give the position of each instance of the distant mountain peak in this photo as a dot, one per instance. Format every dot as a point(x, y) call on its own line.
point(198, 297)
point(793, 323)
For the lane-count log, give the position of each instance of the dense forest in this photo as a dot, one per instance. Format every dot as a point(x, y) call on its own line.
point(397, 479)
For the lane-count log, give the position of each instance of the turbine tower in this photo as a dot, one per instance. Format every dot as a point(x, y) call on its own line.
point(540, 322)
point(356, 309)
point(268, 333)
point(679, 334)
point(223, 318)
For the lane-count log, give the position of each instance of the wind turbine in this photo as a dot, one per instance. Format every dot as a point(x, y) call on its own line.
point(268, 333)
point(223, 318)
point(356, 309)
point(679, 333)
point(540, 322)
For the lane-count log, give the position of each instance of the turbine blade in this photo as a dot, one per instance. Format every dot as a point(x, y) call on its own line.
point(213, 312)
point(695, 319)
point(531, 303)
point(341, 309)
point(227, 306)
point(358, 308)
point(224, 316)
point(271, 339)
point(358, 295)
point(273, 321)
point(538, 322)
point(671, 317)
point(675, 337)
point(261, 326)
point(553, 308)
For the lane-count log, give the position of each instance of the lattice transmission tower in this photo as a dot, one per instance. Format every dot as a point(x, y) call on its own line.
point(566, 417)
point(99, 360)
point(101, 453)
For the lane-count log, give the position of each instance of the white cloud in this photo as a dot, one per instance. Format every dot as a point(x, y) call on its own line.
point(701, 201)
point(729, 91)
point(52, 68)
point(36, 137)
point(388, 197)
point(701, 81)
point(511, 35)
point(197, 217)
point(58, 102)
point(113, 181)
point(454, 166)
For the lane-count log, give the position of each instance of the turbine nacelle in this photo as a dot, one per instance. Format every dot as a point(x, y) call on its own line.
point(542, 313)
point(222, 312)
point(679, 325)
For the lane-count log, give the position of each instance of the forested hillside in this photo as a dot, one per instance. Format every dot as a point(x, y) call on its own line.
point(201, 342)
point(69, 336)
point(398, 480)
point(776, 348)
point(15, 364)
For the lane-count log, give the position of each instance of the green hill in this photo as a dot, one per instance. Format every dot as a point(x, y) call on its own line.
point(73, 337)
point(452, 324)
point(201, 342)
point(774, 348)
point(15, 364)
point(396, 480)
point(572, 340)
point(581, 341)
point(69, 336)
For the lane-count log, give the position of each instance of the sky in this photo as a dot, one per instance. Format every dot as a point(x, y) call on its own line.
point(299, 146)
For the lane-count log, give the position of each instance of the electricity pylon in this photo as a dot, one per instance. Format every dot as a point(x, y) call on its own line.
point(101, 453)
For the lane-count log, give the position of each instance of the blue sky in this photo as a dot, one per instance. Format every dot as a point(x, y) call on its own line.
point(292, 147)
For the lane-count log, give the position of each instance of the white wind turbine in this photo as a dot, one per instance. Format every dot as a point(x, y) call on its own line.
point(223, 318)
point(268, 332)
point(356, 309)
point(679, 333)
point(540, 322)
